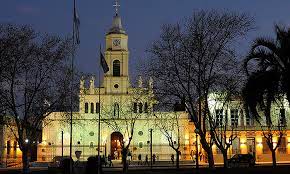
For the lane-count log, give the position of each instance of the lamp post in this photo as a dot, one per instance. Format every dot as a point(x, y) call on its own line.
point(150, 130)
point(196, 131)
point(62, 144)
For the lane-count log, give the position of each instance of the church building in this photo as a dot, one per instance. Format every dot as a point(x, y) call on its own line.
point(127, 114)
point(124, 110)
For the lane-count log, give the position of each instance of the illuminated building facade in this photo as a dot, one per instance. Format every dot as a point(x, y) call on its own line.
point(249, 133)
point(119, 103)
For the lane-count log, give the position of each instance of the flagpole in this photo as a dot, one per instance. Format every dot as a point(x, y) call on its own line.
point(99, 120)
point(71, 98)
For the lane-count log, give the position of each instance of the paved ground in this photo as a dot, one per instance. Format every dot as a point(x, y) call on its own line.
point(166, 167)
point(218, 170)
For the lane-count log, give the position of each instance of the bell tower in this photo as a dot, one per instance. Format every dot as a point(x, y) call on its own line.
point(116, 80)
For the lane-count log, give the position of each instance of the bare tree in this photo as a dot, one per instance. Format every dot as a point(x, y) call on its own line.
point(170, 126)
point(269, 132)
point(36, 81)
point(123, 117)
point(222, 129)
point(190, 59)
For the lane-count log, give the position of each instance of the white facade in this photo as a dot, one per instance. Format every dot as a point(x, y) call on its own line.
point(119, 104)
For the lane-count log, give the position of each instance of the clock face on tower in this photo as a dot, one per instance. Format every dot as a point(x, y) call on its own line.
point(117, 43)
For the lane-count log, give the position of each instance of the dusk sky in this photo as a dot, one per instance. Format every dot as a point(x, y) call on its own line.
point(141, 19)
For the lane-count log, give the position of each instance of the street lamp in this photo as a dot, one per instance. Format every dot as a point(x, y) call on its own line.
point(196, 131)
point(150, 130)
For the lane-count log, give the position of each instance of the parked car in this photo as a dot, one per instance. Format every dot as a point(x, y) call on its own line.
point(2, 165)
point(58, 161)
point(242, 160)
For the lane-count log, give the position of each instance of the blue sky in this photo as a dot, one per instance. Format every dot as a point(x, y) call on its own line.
point(141, 19)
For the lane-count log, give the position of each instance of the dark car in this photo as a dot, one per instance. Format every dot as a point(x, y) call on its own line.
point(242, 160)
point(2, 165)
point(59, 161)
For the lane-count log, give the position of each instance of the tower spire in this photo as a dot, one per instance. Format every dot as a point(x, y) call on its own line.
point(117, 23)
point(116, 5)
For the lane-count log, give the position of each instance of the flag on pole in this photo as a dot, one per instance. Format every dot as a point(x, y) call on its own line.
point(76, 25)
point(104, 63)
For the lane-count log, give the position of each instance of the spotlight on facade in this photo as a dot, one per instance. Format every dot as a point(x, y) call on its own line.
point(26, 140)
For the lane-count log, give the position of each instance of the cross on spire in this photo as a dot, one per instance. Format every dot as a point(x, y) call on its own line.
point(116, 5)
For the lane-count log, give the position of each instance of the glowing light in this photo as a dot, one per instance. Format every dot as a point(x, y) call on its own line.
point(259, 142)
point(274, 144)
point(26, 140)
point(243, 141)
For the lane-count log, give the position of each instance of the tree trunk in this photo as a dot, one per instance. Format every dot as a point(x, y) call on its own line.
point(124, 160)
point(177, 159)
point(210, 159)
point(208, 150)
point(25, 161)
point(125, 166)
point(274, 158)
point(225, 157)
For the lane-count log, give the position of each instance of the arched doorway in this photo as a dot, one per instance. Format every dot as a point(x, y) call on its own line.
point(116, 141)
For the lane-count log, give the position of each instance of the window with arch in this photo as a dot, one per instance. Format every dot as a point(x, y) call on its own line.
point(8, 146)
point(86, 107)
point(140, 107)
point(15, 145)
point(91, 145)
point(116, 68)
point(146, 107)
point(135, 107)
point(98, 107)
point(116, 110)
point(92, 108)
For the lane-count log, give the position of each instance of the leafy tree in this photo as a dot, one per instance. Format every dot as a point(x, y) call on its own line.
point(272, 59)
point(35, 82)
point(261, 95)
point(268, 83)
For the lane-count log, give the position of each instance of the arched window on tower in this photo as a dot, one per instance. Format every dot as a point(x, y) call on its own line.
point(140, 107)
point(98, 107)
point(135, 107)
point(92, 108)
point(86, 107)
point(116, 68)
point(116, 110)
point(146, 107)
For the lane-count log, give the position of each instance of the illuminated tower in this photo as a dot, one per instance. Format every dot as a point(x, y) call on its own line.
point(116, 80)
